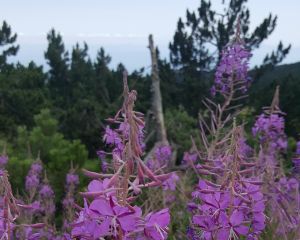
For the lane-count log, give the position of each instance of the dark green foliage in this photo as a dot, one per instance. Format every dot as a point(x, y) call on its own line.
point(22, 95)
point(180, 128)
point(7, 41)
point(54, 150)
point(57, 58)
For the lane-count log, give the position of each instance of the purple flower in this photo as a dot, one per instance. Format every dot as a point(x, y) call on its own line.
point(33, 178)
point(112, 138)
point(47, 200)
point(35, 206)
point(232, 227)
point(104, 166)
point(211, 213)
point(3, 160)
point(72, 179)
point(32, 181)
point(46, 191)
point(101, 154)
point(298, 148)
point(113, 215)
point(206, 224)
point(170, 183)
point(232, 69)
point(189, 157)
point(101, 186)
point(270, 129)
point(161, 158)
point(156, 226)
point(296, 161)
point(163, 153)
point(110, 214)
point(85, 226)
point(37, 168)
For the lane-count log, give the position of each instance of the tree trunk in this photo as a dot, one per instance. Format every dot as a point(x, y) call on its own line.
point(161, 135)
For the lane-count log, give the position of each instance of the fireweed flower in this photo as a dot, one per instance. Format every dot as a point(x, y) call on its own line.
point(156, 224)
point(3, 160)
point(33, 179)
point(230, 204)
point(235, 208)
point(170, 183)
point(115, 217)
point(232, 69)
point(160, 159)
point(286, 192)
point(163, 153)
point(296, 161)
point(281, 194)
point(72, 180)
point(219, 214)
point(107, 208)
point(46, 196)
point(189, 157)
point(270, 129)
point(33, 209)
point(102, 156)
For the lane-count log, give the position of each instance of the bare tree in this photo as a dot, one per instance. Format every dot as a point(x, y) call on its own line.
point(161, 134)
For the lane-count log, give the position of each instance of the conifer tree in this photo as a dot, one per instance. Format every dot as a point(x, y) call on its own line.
point(58, 60)
point(7, 45)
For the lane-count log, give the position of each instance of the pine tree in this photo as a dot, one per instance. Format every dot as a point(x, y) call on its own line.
point(58, 60)
point(7, 40)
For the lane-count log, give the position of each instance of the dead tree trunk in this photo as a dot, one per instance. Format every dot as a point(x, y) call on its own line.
point(161, 134)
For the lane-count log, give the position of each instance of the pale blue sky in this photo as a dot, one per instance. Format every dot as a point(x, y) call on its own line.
point(122, 26)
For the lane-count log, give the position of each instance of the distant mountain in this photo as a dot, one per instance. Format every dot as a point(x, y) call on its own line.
point(278, 74)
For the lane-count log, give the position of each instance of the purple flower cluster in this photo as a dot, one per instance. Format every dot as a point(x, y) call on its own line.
point(285, 209)
point(170, 183)
point(3, 161)
point(232, 71)
point(46, 195)
point(231, 206)
point(33, 179)
point(281, 193)
point(108, 210)
point(163, 153)
point(161, 158)
point(296, 161)
point(72, 180)
point(46, 191)
point(3, 226)
point(189, 158)
point(104, 164)
point(270, 129)
point(228, 213)
point(298, 148)
point(112, 138)
point(105, 217)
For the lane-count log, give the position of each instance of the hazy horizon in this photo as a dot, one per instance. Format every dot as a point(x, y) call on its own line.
point(123, 28)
